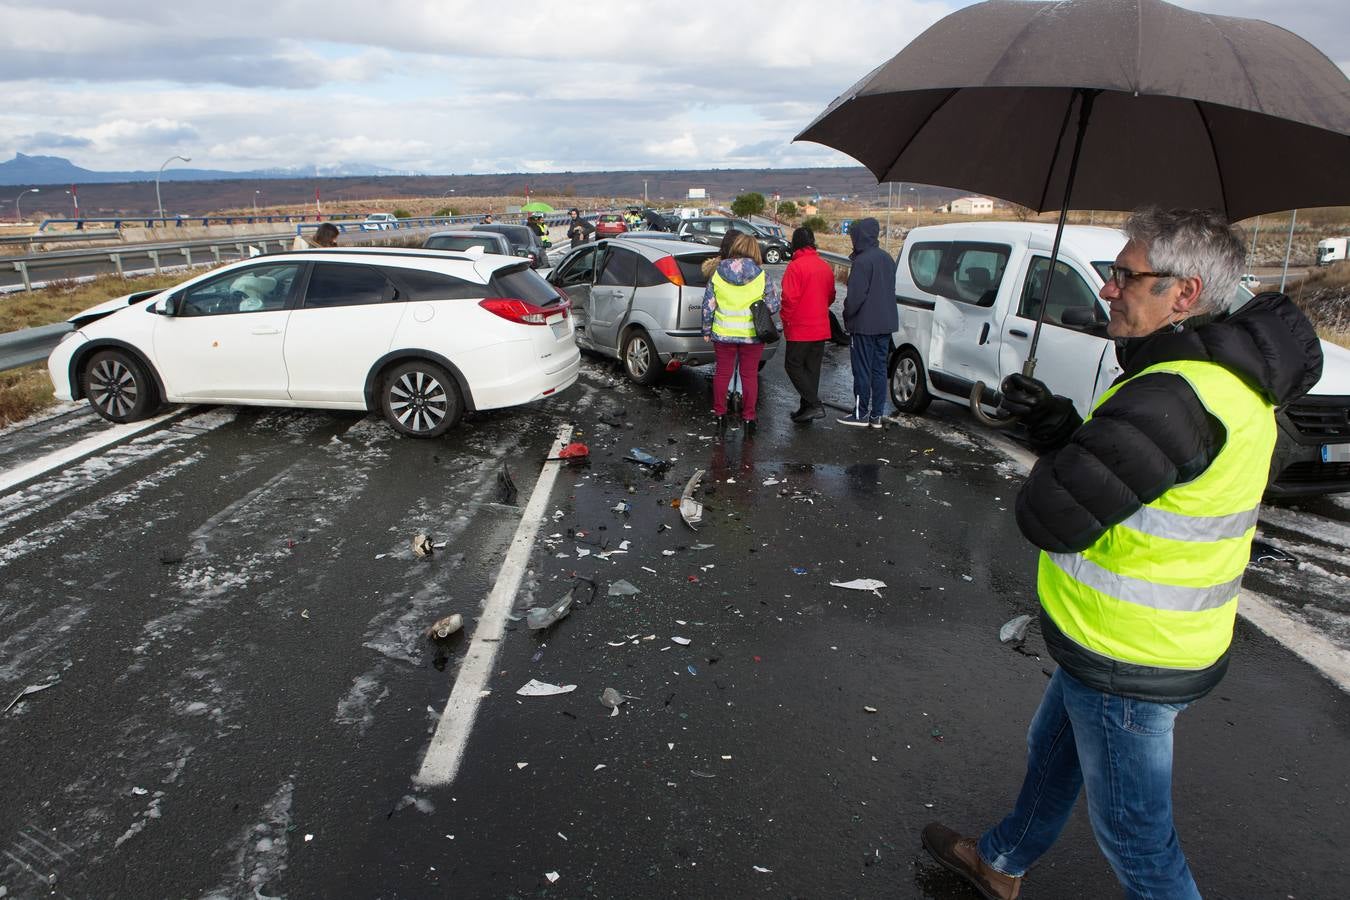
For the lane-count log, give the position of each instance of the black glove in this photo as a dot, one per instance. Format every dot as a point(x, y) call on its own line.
point(1025, 397)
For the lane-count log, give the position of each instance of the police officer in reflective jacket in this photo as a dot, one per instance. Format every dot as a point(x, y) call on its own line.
point(1144, 514)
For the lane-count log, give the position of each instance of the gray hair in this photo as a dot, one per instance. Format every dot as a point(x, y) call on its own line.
point(1190, 243)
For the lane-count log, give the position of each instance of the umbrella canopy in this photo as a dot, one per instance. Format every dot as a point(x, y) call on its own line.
point(537, 207)
point(1194, 110)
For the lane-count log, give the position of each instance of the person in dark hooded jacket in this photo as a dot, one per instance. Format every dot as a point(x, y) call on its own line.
point(1144, 514)
point(870, 318)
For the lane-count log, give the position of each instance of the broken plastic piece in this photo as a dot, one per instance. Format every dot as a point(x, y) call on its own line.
point(552, 877)
point(643, 458)
point(443, 628)
point(682, 641)
point(573, 451)
point(623, 507)
point(542, 617)
point(421, 545)
point(870, 709)
point(506, 486)
point(536, 688)
point(622, 588)
point(799, 570)
point(691, 510)
point(1263, 552)
point(1015, 629)
point(32, 689)
point(860, 584)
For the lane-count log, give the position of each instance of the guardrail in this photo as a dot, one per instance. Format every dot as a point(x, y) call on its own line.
point(21, 348)
point(184, 221)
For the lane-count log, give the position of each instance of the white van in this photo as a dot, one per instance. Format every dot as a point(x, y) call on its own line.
point(969, 295)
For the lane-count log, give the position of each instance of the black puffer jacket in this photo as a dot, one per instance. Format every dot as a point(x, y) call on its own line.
point(1151, 435)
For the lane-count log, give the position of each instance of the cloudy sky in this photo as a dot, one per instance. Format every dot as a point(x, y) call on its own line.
point(439, 86)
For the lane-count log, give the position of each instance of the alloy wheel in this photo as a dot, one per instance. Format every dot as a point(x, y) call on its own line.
point(113, 387)
point(418, 401)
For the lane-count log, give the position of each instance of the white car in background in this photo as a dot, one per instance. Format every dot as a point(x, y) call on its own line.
point(421, 336)
point(379, 222)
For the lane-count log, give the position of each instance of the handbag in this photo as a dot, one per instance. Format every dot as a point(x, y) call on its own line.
point(766, 329)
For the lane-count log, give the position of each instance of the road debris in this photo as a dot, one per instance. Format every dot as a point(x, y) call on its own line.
point(32, 689)
point(552, 877)
point(861, 584)
point(1263, 552)
point(443, 628)
point(538, 617)
point(536, 688)
point(622, 588)
point(691, 510)
point(763, 870)
point(573, 452)
point(421, 545)
point(1014, 630)
point(869, 709)
point(643, 458)
point(682, 641)
point(612, 700)
point(506, 486)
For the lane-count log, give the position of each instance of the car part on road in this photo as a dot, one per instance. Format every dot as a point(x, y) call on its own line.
point(573, 452)
point(118, 386)
point(535, 688)
point(622, 588)
point(32, 689)
point(909, 384)
point(1014, 630)
point(540, 617)
point(612, 699)
point(691, 510)
point(506, 487)
point(443, 628)
point(420, 399)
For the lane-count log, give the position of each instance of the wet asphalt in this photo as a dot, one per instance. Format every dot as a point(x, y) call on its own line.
point(236, 619)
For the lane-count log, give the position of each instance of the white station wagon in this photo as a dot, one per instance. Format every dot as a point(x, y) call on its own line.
point(421, 336)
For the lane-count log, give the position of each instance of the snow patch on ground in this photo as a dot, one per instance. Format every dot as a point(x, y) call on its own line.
point(358, 707)
point(260, 851)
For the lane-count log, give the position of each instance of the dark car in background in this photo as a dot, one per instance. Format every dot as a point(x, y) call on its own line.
point(711, 229)
point(524, 242)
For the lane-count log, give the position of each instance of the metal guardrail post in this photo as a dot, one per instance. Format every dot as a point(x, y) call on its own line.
point(187, 255)
point(215, 252)
point(154, 258)
point(22, 269)
point(117, 263)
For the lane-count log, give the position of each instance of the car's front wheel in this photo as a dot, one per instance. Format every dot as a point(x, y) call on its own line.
point(118, 386)
point(773, 256)
point(640, 361)
point(909, 384)
point(420, 399)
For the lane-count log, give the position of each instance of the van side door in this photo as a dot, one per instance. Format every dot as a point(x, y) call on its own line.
point(964, 278)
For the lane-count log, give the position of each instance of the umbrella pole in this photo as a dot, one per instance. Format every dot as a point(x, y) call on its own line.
point(1086, 96)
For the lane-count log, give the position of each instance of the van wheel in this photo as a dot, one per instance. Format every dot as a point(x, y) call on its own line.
point(420, 399)
point(640, 361)
point(118, 387)
point(909, 384)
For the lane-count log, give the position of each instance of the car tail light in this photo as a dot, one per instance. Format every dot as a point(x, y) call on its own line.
point(522, 311)
point(667, 266)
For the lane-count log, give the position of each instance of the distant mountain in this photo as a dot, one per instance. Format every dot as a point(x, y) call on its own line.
point(39, 170)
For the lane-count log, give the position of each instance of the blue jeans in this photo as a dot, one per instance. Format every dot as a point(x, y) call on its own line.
point(868, 354)
point(1121, 750)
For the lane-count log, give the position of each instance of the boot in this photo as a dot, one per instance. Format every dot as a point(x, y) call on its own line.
point(960, 855)
point(721, 426)
point(751, 426)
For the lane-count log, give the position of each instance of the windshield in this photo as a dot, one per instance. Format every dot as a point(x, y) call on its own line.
point(448, 242)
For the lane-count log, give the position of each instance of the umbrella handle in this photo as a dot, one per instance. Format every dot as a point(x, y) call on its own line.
point(1004, 421)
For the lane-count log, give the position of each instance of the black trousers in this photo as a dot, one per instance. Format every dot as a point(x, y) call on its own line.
point(801, 360)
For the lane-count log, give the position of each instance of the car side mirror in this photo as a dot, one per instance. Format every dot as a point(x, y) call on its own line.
point(168, 306)
point(1083, 318)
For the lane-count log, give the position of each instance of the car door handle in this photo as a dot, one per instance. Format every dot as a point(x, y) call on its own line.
point(984, 334)
point(267, 331)
point(1017, 332)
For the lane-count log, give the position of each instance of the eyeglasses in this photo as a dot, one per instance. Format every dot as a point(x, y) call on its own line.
point(1123, 276)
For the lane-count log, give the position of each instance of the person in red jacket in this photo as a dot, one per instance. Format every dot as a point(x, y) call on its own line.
point(808, 291)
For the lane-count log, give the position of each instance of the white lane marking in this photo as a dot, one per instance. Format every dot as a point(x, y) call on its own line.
point(1294, 635)
point(90, 445)
point(1306, 642)
point(441, 763)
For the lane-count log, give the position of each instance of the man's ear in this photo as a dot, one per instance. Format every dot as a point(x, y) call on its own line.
point(1188, 296)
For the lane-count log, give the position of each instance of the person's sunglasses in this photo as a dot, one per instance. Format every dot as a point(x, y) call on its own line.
point(1123, 276)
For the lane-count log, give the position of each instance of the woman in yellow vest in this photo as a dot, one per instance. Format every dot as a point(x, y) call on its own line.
point(738, 282)
point(1144, 514)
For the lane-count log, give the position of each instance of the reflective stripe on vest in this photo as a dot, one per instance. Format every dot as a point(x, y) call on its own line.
point(1160, 588)
point(732, 318)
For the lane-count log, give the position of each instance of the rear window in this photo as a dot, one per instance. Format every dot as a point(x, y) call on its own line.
point(520, 282)
point(691, 267)
point(419, 284)
point(964, 271)
point(462, 243)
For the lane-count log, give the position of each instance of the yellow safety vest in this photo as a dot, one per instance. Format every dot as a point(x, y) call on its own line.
point(732, 316)
point(1161, 588)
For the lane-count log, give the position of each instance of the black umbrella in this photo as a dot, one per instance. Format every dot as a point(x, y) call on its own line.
point(1103, 104)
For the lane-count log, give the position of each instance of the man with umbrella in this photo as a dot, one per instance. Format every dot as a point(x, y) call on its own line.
point(1144, 513)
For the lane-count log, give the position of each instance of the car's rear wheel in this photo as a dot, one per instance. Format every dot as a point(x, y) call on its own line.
point(118, 386)
point(640, 361)
point(909, 384)
point(773, 256)
point(420, 399)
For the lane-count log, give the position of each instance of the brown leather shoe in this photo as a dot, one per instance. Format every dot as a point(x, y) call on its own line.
point(960, 855)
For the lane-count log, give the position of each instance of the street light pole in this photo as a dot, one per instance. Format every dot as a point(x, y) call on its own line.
point(1289, 244)
point(255, 202)
point(158, 201)
point(17, 217)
